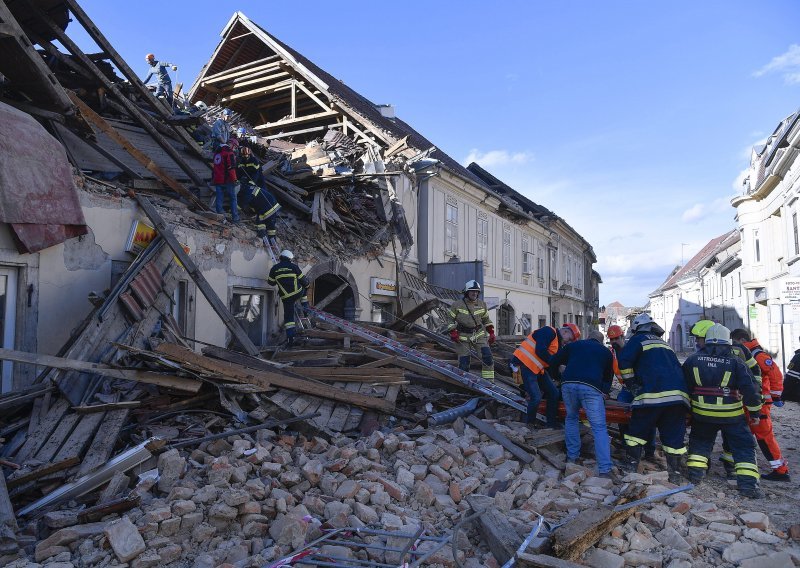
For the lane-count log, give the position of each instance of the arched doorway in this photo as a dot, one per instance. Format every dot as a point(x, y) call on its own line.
point(505, 319)
point(678, 339)
point(334, 289)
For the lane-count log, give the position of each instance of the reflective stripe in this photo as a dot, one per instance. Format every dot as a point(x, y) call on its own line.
point(487, 374)
point(725, 379)
point(526, 353)
point(290, 324)
point(696, 373)
point(755, 408)
point(626, 373)
point(727, 457)
point(660, 397)
point(655, 346)
point(775, 464)
point(696, 460)
point(675, 451)
point(744, 468)
point(634, 441)
point(719, 414)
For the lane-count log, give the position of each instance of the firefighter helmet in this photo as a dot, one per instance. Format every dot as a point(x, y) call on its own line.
point(574, 329)
point(700, 329)
point(287, 254)
point(640, 322)
point(149, 57)
point(718, 334)
point(472, 285)
point(227, 112)
point(614, 331)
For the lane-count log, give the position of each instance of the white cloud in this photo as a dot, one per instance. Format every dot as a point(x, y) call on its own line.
point(494, 158)
point(786, 64)
point(694, 213)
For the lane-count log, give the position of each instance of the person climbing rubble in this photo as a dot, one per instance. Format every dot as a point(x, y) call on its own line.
point(292, 285)
point(224, 179)
point(254, 198)
point(160, 70)
point(470, 326)
point(721, 387)
point(530, 362)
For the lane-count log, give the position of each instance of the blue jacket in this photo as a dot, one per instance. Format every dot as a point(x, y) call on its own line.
point(588, 362)
point(719, 383)
point(651, 371)
point(159, 70)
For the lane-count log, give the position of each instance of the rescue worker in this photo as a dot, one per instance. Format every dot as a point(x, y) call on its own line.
point(292, 285)
point(719, 383)
point(224, 180)
point(254, 198)
point(470, 326)
point(158, 69)
point(699, 332)
point(771, 391)
point(585, 383)
point(221, 130)
point(529, 365)
point(617, 339)
point(651, 371)
point(791, 386)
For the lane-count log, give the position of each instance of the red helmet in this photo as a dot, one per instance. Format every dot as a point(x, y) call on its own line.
point(576, 333)
point(149, 57)
point(614, 331)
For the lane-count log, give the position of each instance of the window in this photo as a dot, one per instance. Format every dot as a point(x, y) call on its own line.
point(568, 268)
point(554, 267)
point(506, 248)
point(180, 306)
point(542, 321)
point(526, 256)
point(540, 262)
point(8, 320)
point(756, 246)
point(483, 238)
point(451, 228)
point(247, 307)
point(794, 231)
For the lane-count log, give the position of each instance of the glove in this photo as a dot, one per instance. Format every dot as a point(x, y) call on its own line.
point(492, 338)
point(777, 401)
point(174, 67)
point(454, 335)
point(517, 375)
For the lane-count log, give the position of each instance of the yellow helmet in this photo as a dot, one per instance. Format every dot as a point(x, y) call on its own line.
point(700, 329)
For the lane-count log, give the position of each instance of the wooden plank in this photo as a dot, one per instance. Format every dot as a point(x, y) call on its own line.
point(490, 431)
point(104, 441)
point(347, 372)
point(285, 197)
point(301, 355)
point(338, 417)
point(81, 436)
point(301, 403)
point(325, 410)
point(46, 426)
point(356, 414)
point(392, 392)
point(286, 184)
point(409, 317)
point(8, 520)
point(88, 409)
point(412, 366)
point(572, 539)
point(297, 120)
point(191, 268)
point(45, 470)
point(239, 70)
point(525, 560)
point(283, 379)
point(171, 381)
point(390, 360)
point(56, 439)
point(496, 530)
point(378, 379)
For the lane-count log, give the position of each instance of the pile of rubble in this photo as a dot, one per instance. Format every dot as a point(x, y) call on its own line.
point(257, 500)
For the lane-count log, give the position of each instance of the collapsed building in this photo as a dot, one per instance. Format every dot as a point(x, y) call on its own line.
point(150, 415)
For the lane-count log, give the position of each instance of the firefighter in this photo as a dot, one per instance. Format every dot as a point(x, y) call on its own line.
point(699, 332)
point(617, 339)
point(254, 198)
point(529, 366)
point(721, 387)
point(470, 326)
point(292, 285)
point(651, 371)
point(771, 391)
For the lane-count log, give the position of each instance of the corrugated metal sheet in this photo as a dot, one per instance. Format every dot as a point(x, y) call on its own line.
point(453, 275)
point(147, 285)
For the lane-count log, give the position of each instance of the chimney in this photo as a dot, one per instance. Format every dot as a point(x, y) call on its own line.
point(387, 111)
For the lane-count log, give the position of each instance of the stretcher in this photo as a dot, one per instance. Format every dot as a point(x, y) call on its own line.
point(616, 412)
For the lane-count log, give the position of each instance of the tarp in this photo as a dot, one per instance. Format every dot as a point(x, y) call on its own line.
point(38, 198)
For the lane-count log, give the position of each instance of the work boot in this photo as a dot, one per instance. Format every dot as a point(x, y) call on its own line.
point(650, 455)
point(753, 492)
point(630, 464)
point(695, 475)
point(674, 468)
point(775, 476)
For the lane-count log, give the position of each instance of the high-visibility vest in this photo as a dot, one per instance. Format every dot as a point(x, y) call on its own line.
point(615, 364)
point(526, 353)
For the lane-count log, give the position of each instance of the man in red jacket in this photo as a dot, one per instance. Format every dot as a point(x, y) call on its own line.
point(771, 391)
point(224, 178)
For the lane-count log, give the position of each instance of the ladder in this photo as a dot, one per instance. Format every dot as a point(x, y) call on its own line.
point(303, 321)
point(499, 393)
point(272, 248)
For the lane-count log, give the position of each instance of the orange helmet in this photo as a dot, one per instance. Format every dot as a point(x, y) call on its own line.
point(149, 57)
point(576, 333)
point(614, 331)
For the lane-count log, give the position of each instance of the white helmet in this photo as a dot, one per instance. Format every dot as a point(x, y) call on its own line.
point(287, 254)
point(472, 285)
point(641, 321)
point(718, 334)
point(201, 105)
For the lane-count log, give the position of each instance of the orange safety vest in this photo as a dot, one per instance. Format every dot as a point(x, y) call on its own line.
point(526, 353)
point(615, 364)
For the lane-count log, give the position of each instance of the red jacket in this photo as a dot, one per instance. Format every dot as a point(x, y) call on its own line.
point(224, 170)
point(771, 376)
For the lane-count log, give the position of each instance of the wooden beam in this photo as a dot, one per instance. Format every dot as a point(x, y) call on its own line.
point(285, 184)
point(43, 471)
point(496, 530)
point(191, 268)
point(254, 79)
point(490, 431)
point(239, 70)
point(89, 409)
point(281, 379)
point(8, 520)
point(390, 360)
point(312, 96)
point(297, 120)
point(322, 304)
point(149, 377)
point(253, 93)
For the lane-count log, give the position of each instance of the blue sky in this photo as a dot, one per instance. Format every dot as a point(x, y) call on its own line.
point(630, 119)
